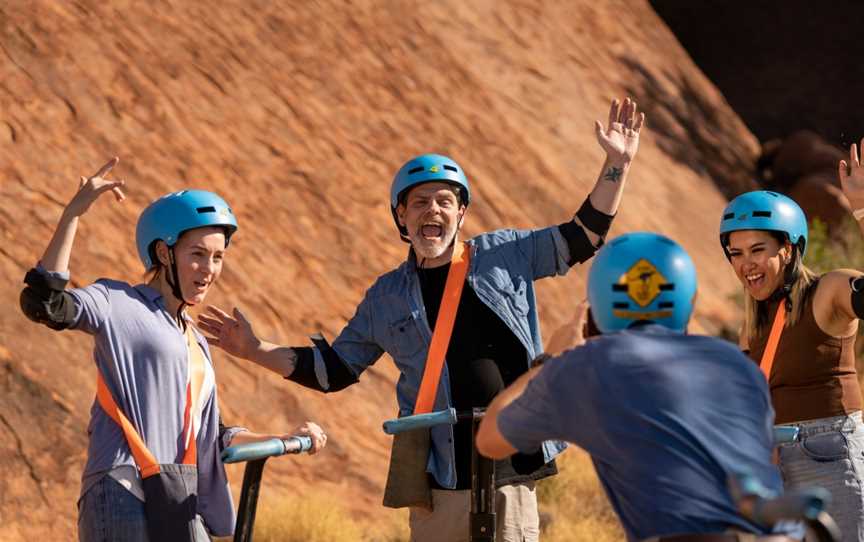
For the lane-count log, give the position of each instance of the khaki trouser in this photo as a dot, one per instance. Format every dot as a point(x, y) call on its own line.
point(515, 508)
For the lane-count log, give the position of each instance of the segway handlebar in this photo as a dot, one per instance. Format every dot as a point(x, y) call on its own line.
point(424, 421)
point(762, 506)
point(420, 421)
point(785, 434)
point(266, 448)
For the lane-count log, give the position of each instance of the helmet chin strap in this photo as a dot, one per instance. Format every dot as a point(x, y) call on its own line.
point(790, 275)
point(173, 280)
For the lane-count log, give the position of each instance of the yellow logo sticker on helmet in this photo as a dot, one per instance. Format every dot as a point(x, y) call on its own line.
point(643, 282)
point(434, 169)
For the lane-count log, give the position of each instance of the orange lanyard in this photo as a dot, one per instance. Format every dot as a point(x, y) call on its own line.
point(443, 328)
point(773, 340)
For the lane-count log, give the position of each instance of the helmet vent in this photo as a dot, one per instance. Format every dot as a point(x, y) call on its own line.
point(666, 305)
point(728, 216)
point(669, 286)
point(620, 305)
point(763, 214)
point(208, 209)
point(450, 168)
point(417, 169)
point(619, 287)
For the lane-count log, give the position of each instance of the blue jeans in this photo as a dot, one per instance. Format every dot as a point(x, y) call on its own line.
point(829, 453)
point(108, 512)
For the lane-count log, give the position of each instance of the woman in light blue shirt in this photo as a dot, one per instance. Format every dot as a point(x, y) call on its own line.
point(150, 357)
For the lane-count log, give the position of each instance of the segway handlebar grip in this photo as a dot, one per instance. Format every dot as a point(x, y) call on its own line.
point(298, 444)
point(420, 421)
point(785, 434)
point(266, 448)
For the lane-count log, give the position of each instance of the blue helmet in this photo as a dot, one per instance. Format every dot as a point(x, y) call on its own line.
point(638, 277)
point(426, 168)
point(171, 215)
point(764, 210)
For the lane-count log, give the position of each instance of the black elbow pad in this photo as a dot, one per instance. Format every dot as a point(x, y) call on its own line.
point(580, 246)
point(45, 301)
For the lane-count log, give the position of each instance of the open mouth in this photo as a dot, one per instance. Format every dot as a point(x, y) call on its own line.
point(755, 280)
point(201, 285)
point(431, 230)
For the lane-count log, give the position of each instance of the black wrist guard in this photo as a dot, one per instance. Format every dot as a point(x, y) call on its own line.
point(596, 221)
point(857, 285)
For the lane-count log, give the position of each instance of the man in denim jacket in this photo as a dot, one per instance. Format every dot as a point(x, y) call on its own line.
point(496, 322)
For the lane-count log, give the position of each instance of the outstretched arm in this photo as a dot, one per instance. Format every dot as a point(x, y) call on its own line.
point(620, 140)
point(45, 300)
point(839, 299)
point(852, 182)
point(56, 256)
point(234, 334)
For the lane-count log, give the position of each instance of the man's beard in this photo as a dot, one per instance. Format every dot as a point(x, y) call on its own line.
point(427, 250)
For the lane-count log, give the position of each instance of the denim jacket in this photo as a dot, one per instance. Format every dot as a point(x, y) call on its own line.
point(392, 318)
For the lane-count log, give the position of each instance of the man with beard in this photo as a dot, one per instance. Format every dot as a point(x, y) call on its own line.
point(495, 323)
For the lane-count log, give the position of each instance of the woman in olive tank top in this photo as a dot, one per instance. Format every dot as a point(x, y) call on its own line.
point(811, 373)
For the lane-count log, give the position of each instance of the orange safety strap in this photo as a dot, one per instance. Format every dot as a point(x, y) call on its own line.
point(773, 340)
point(443, 328)
point(193, 392)
point(145, 460)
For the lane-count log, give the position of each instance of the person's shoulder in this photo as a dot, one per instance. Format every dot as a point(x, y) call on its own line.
point(836, 282)
point(710, 341)
point(390, 282)
point(108, 286)
point(491, 239)
point(114, 284)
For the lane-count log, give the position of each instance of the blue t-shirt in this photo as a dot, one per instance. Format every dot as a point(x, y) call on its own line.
point(666, 418)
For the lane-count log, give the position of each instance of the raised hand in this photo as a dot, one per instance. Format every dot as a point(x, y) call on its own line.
point(90, 188)
point(314, 431)
point(232, 334)
point(620, 139)
point(852, 181)
point(573, 333)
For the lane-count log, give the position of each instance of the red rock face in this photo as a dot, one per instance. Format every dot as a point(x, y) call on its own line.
point(299, 115)
point(804, 166)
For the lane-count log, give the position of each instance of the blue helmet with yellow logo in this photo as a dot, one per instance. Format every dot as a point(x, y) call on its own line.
point(426, 168)
point(172, 214)
point(641, 276)
point(764, 210)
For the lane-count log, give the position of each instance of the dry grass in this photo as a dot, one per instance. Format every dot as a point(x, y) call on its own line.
point(576, 505)
point(319, 518)
point(573, 503)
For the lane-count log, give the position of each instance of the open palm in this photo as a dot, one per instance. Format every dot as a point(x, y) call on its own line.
point(620, 139)
point(852, 179)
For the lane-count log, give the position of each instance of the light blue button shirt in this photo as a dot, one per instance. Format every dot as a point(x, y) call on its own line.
point(392, 318)
point(142, 355)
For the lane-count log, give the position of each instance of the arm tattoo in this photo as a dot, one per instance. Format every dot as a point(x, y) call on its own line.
point(613, 174)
